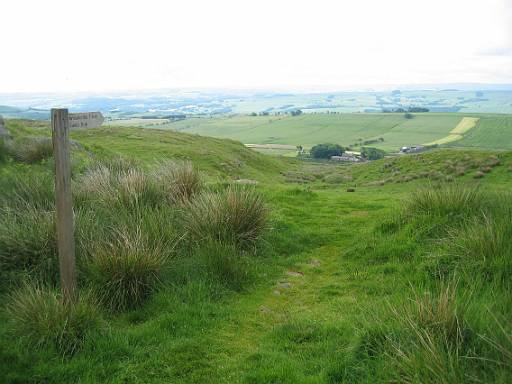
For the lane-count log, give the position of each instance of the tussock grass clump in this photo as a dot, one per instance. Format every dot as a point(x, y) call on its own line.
point(135, 187)
point(180, 181)
point(27, 241)
point(116, 164)
point(124, 182)
point(235, 215)
point(460, 171)
point(483, 247)
point(42, 320)
point(31, 150)
point(435, 337)
point(493, 161)
point(441, 313)
point(446, 200)
point(3, 151)
point(126, 270)
point(95, 183)
point(21, 192)
point(118, 182)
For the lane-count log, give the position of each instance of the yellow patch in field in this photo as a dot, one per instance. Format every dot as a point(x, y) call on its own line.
point(458, 132)
point(465, 125)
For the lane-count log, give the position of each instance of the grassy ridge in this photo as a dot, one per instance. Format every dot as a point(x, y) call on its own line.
point(220, 157)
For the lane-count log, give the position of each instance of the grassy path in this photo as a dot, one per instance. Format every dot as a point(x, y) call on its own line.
point(287, 330)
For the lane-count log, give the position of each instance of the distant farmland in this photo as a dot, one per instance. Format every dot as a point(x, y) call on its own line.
point(390, 131)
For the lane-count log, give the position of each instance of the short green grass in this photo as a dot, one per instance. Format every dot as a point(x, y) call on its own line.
point(315, 304)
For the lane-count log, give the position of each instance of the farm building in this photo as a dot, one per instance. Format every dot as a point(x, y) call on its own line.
point(349, 158)
point(416, 149)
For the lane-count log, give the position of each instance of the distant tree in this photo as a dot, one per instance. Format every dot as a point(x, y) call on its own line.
point(418, 109)
point(264, 113)
point(253, 114)
point(325, 151)
point(372, 153)
point(408, 115)
point(297, 112)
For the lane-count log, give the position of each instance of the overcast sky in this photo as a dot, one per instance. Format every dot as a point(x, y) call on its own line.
point(92, 45)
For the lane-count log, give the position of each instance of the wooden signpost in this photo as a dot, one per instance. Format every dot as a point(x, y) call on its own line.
point(62, 121)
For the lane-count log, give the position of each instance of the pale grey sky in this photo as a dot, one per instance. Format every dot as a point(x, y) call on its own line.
point(93, 45)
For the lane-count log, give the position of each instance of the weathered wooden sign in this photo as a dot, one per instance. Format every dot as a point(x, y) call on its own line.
point(85, 120)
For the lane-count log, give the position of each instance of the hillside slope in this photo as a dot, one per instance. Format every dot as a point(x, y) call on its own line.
point(218, 157)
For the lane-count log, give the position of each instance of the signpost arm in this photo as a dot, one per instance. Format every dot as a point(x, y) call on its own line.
point(64, 205)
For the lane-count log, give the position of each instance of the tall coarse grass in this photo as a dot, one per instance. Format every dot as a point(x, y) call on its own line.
point(20, 192)
point(180, 181)
point(135, 187)
point(235, 215)
point(95, 184)
point(501, 342)
point(27, 241)
point(441, 312)
point(31, 149)
point(118, 164)
point(40, 318)
point(118, 182)
point(446, 334)
point(434, 345)
point(482, 248)
point(3, 151)
point(454, 200)
point(125, 270)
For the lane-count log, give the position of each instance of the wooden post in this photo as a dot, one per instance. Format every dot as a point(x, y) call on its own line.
point(64, 203)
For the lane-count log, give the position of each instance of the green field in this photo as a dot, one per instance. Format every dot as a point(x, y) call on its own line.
point(405, 279)
point(492, 131)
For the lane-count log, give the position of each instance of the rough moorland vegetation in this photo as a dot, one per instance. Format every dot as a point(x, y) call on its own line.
point(455, 325)
point(185, 275)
